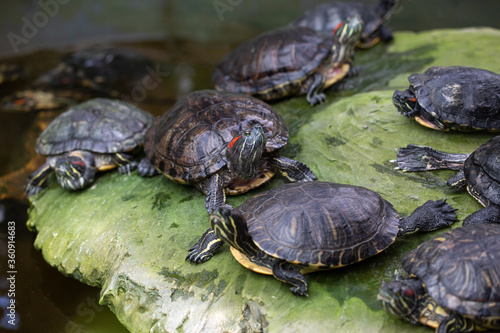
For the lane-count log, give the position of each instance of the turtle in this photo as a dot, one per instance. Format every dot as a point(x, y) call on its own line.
point(96, 135)
point(479, 172)
point(325, 17)
point(450, 282)
point(289, 61)
point(222, 143)
point(10, 72)
point(299, 228)
point(452, 98)
point(80, 76)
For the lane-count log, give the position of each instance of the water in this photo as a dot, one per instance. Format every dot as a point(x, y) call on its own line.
point(185, 39)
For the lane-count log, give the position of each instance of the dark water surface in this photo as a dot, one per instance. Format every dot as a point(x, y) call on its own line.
point(186, 39)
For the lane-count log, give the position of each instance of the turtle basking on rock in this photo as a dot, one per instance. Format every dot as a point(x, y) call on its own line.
point(289, 61)
point(325, 17)
point(452, 98)
point(479, 172)
point(451, 282)
point(97, 135)
point(82, 75)
point(222, 143)
point(298, 228)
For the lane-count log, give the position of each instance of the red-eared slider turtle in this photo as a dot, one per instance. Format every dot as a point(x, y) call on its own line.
point(452, 98)
point(82, 75)
point(304, 227)
point(222, 143)
point(10, 72)
point(451, 282)
point(289, 61)
point(479, 172)
point(325, 17)
point(92, 136)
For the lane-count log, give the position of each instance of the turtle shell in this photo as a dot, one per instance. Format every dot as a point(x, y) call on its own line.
point(281, 58)
point(325, 17)
point(188, 142)
point(482, 170)
point(461, 270)
point(320, 224)
point(99, 125)
point(460, 97)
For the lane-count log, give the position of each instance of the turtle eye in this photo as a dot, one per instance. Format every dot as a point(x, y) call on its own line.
point(247, 133)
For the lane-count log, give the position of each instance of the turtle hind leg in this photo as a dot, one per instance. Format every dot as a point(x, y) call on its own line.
point(205, 248)
point(423, 158)
point(126, 163)
point(146, 169)
point(38, 180)
point(314, 95)
point(432, 215)
point(490, 214)
point(289, 273)
point(292, 170)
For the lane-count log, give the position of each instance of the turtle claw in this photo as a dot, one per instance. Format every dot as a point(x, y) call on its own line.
point(146, 169)
point(127, 168)
point(205, 248)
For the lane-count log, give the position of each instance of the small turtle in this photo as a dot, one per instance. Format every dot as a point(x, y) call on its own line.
point(452, 98)
point(92, 136)
point(10, 72)
point(451, 282)
point(222, 143)
point(289, 61)
point(479, 172)
point(304, 227)
point(80, 76)
point(325, 17)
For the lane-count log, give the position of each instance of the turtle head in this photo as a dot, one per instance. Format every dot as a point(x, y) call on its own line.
point(405, 102)
point(75, 171)
point(401, 297)
point(244, 152)
point(345, 36)
point(230, 226)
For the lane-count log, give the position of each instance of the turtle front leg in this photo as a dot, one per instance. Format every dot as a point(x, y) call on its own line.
point(209, 243)
point(432, 215)
point(289, 273)
point(314, 94)
point(38, 180)
point(414, 158)
point(456, 323)
point(292, 170)
point(126, 163)
point(146, 169)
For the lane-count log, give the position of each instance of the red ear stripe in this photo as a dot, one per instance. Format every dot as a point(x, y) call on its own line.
point(409, 292)
point(337, 27)
point(233, 141)
point(80, 163)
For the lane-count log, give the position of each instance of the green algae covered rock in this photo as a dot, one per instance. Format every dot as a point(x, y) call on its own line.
point(129, 235)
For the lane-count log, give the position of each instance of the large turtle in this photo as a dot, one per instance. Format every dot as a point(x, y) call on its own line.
point(80, 76)
point(452, 98)
point(325, 17)
point(479, 172)
point(451, 282)
point(97, 135)
point(223, 143)
point(289, 61)
point(303, 227)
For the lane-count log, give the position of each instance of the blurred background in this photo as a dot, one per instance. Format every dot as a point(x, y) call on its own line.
point(185, 40)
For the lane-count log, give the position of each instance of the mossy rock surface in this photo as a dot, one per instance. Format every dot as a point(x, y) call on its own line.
point(129, 235)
